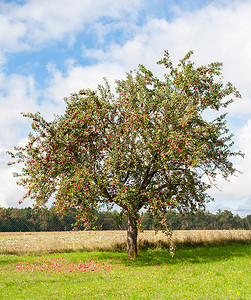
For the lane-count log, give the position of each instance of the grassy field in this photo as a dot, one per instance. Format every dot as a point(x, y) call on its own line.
point(212, 272)
point(221, 272)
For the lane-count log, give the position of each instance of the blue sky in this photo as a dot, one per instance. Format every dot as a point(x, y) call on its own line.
point(49, 49)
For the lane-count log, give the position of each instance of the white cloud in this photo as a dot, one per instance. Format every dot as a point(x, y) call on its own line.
point(40, 21)
point(236, 193)
point(10, 32)
point(244, 207)
point(10, 193)
point(215, 33)
point(79, 77)
point(19, 94)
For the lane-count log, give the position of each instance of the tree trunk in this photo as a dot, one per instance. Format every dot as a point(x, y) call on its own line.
point(132, 234)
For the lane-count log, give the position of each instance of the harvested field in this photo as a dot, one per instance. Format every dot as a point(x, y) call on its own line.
point(68, 241)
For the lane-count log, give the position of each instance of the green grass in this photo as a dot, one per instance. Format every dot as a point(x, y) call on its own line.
point(221, 272)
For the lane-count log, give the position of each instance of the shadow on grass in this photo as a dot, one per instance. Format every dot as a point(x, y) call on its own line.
point(147, 256)
point(187, 256)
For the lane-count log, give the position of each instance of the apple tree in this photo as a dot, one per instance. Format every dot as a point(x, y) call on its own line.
point(146, 145)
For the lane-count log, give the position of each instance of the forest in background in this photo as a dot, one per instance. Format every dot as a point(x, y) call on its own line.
point(43, 219)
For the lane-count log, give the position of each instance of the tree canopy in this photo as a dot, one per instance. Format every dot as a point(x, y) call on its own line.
point(145, 145)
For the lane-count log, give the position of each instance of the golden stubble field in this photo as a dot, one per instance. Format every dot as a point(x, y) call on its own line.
point(67, 241)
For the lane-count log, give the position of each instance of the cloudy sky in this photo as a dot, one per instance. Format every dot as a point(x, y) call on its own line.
point(49, 49)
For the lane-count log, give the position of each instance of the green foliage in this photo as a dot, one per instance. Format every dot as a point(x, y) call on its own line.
point(147, 145)
point(28, 219)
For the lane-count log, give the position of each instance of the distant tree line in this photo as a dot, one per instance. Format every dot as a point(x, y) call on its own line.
point(29, 219)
